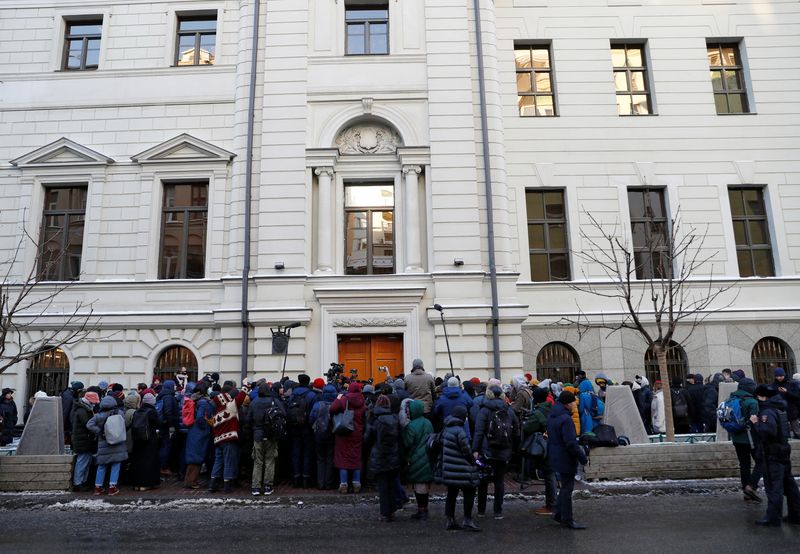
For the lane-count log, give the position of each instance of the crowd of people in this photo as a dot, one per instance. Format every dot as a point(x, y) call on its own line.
point(410, 431)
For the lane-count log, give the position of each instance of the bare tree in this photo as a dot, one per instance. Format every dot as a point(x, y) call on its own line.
point(656, 285)
point(29, 307)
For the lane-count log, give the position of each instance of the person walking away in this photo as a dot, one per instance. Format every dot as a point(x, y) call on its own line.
point(226, 436)
point(420, 473)
point(84, 442)
point(69, 396)
point(298, 410)
point(564, 454)
point(740, 434)
point(658, 415)
point(459, 472)
point(772, 427)
point(452, 395)
point(383, 433)
point(347, 447)
point(644, 401)
point(8, 416)
point(145, 461)
point(421, 385)
point(130, 404)
point(496, 431)
point(680, 407)
point(790, 391)
point(711, 403)
point(198, 435)
point(169, 415)
point(109, 456)
point(267, 418)
point(537, 423)
point(323, 437)
point(694, 389)
point(588, 407)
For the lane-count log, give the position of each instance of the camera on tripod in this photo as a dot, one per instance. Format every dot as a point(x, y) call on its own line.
point(334, 372)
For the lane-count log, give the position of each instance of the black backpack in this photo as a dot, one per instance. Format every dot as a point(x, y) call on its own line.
point(680, 406)
point(500, 430)
point(322, 425)
point(296, 412)
point(274, 423)
point(140, 426)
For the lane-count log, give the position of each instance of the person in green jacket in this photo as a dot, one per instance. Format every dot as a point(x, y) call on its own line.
point(743, 442)
point(420, 472)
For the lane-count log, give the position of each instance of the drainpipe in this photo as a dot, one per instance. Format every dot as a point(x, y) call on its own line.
point(248, 190)
point(487, 179)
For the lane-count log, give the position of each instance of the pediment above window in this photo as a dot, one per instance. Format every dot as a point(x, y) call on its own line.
point(183, 148)
point(61, 153)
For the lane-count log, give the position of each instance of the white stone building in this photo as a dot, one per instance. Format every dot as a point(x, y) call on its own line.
point(124, 145)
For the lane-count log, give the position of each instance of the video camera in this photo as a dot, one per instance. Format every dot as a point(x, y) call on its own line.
point(334, 371)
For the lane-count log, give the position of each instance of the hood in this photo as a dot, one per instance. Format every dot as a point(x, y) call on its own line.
point(560, 409)
point(602, 377)
point(328, 393)
point(545, 384)
point(189, 388)
point(494, 404)
point(301, 390)
point(748, 385)
point(399, 384)
point(742, 393)
point(379, 411)
point(643, 381)
point(168, 387)
point(418, 371)
point(717, 379)
point(108, 403)
point(451, 392)
point(451, 421)
point(635, 386)
point(131, 401)
point(355, 399)
point(518, 381)
point(586, 386)
point(416, 409)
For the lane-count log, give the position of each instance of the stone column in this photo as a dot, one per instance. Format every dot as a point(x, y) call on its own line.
point(325, 228)
point(412, 223)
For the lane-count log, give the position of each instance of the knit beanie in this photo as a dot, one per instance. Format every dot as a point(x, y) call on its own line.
point(149, 399)
point(566, 397)
point(453, 382)
point(539, 395)
point(92, 398)
point(738, 375)
point(303, 379)
point(319, 383)
point(459, 412)
point(779, 372)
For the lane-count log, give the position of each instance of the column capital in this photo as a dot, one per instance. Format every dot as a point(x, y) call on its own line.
point(410, 168)
point(324, 170)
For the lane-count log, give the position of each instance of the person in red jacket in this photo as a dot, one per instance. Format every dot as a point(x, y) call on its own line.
point(226, 435)
point(347, 448)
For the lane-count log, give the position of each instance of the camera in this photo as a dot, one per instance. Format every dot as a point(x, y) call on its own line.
point(334, 372)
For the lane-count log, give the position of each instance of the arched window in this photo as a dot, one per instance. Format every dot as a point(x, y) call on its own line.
point(557, 361)
point(172, 360)
point(48, 372)
point(769, 353)
point(677, 364)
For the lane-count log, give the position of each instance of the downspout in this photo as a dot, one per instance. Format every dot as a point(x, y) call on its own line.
point(248, 190)
point(487, 179)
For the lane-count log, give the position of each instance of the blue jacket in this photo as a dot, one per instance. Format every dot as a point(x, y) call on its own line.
point(563, 450)
point(171, 416)
point(586, 391)
point(450, 398)
point(328, 395)
point(199, 435)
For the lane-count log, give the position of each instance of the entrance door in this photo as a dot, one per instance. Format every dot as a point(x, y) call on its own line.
point(368, 353)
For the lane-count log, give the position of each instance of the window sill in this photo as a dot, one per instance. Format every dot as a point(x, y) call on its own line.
point(639, 115)
point(742, 113)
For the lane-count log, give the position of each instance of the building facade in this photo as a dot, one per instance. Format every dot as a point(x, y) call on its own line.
point(126, 136)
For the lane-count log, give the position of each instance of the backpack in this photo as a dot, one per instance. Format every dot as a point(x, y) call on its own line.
point(296, 410)
point(500, 429)
point(114, 429)
point(680, 407)
point(598, 407)
point(606, 436)
point(140, 426)
point(731, 415)
point(322, 425)
point(187, 411)
point(274, 423)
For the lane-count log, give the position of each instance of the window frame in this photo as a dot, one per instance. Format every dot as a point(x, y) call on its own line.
point(359, 6)
point(532, 71)
point(676, 359)
point(546, 222)
point(85, 38)
point(63, 262)
point(370, 210)
point(746, 219)
point(763, 366)
point(551, 369)
point(205, 16)
point(739, 67)
point(186, 211)
point(628, 70)
point(648, 221)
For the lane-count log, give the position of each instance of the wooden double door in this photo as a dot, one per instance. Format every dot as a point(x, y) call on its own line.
point(368, 353)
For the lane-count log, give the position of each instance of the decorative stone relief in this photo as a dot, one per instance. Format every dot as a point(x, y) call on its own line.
point(369, 322)
point(368, 139)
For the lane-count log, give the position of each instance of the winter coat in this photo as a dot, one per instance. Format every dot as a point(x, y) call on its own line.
point(450, 398)
point(131, 404)
point(347, 448)
point(83, 440)
point(420, 385)
point(576, 415)
point(458, 466)
point(523, 402)
point(695, 393)
point(480, 443)
point(383, 435)
point(659, 418)
point(563, 450)
point(257, 412)
point(226, 417)
point(67, 403)
point(145, 464)
point(791, 397)
point(711, 403)
point(772, 431)
point(107, 453)
point(415, 439)
point(749, 408)
point(8, 413)
point(537, 421)
point(588, 423)
point(199, 434)
point(477, 404)
point(308, 395)
point(170, 413)
point(397, 398)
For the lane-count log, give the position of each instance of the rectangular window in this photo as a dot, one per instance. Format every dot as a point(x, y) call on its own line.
point(196, 40)
point(727, 77)
point(535, 92)
point(61, 235)
point(751, 230)
point(367, 29)
point(631, 79)
point(547, 235)
point(183, 231)
point(369, 228)
point(650, 232)
point(82, 44)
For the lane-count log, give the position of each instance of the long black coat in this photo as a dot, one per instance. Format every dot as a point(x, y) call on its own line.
point(83, 440)
point(563, 450)
point(480, 442)
point(8, 411)
point(383, 434)
point(695, 403)
point(458, 467)
point(145, 465)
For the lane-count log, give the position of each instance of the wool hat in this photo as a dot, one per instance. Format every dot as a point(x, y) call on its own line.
point(459, 412)
point(738, 375)
point(103, 385)
point(417, 364)
point(383, 401)
point(276, 388)
point(747, 385)
point(475, 381)
point(92, 398)
point(539, 395)
point(399, 384)
point(767, 391)
point(496, 392)
point(779, 372)
point(453, 382)
point(8, 391)
point(149, 399)
point(528, 377)
point(76, 386)
point(319, 383)
point(566, 397)
point(369, 389)
point(117, 387)
point(303, 379)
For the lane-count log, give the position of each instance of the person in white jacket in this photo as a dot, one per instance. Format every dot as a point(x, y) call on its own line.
point(657, 409)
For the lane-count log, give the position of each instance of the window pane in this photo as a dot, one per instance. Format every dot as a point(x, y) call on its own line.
point(737, 206)
point(534, 204)
point(356, 243)
point(369, 195)
point(753, 202)
point(541, 58)
point(559, 267)
point(635, 57)
point(714, 58)
point(544, 106)
point(361, 14)
point(186, 50)
point(716, 80)
point(378, 39)
point(539, 269)
point(618, 57)
point(636, 203)
point(356, 38)
point(758, 232)
point(721, 101)
point(639, 234)
point(640, 106)
point(93, 53)
point(637, 81)
point(621, 81)
point(740, 233)
point(554, 204)
point(208, 45)
point(543, 82)
point(745, 263)
point(763, 262)
point(74, 53)
point(85, 28)
point(623, 104)
point(382, 243)
point(527, 105)
point(557, 235)
point(196, 246)
point(536, 236)
point(732, 81)
point(197, 25)
point(524, 82)
point(736, 103)
point(171, 239)
point(522, 58)
point(729, 56)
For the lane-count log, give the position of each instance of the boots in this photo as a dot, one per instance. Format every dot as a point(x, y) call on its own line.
point(213, 485)
point(452, 525)
point(192, 475)
point(420, 515)
point(228, 487)
point(469, 525)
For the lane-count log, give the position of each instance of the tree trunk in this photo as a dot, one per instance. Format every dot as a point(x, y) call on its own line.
point(661, 355)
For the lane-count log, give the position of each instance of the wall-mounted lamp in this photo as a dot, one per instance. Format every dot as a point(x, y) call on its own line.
point(458, 262)
point(279, 265)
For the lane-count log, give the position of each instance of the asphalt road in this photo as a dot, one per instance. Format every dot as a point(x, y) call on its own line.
point(640, 524)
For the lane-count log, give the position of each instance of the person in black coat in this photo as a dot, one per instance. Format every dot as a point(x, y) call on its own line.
point(68, 398)
point(498, 451)
point(694, 388)
point(790, 391)
point(168, 426)
point(383, 433)
point(564, 454)
point(459, 472)
point(711, 403)
point(8, 417)
point(145, 467)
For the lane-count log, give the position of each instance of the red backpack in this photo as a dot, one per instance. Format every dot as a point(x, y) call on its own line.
point(188, 412)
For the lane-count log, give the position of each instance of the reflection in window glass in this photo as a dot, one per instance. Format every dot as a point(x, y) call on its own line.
point(196, 40)
point(751, 232)
point(82, 45)
point(649, 232)
point(369, 229)
point(61, 233)
point(183, 231)
point(727, 78)
point(547, 235)
point(535, 94)
point(630, 79)
point(367, 29)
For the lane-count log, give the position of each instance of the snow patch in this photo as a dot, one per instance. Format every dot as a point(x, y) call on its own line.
point(93, 505)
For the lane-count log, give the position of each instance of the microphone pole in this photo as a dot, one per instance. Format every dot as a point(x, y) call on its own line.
point(438, 308)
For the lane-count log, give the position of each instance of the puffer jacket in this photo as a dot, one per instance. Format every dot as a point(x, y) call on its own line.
point(450, 398)
point(415, 438)
point(383, 433)
point(83, 440)
point(458, 468)
point(107, 453)
point(199, 434)
point(585, 407)
point(480, 443)
point(171, 416)
point(420, 385)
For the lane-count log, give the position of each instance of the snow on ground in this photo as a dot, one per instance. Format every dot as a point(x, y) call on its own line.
point(97, 505)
